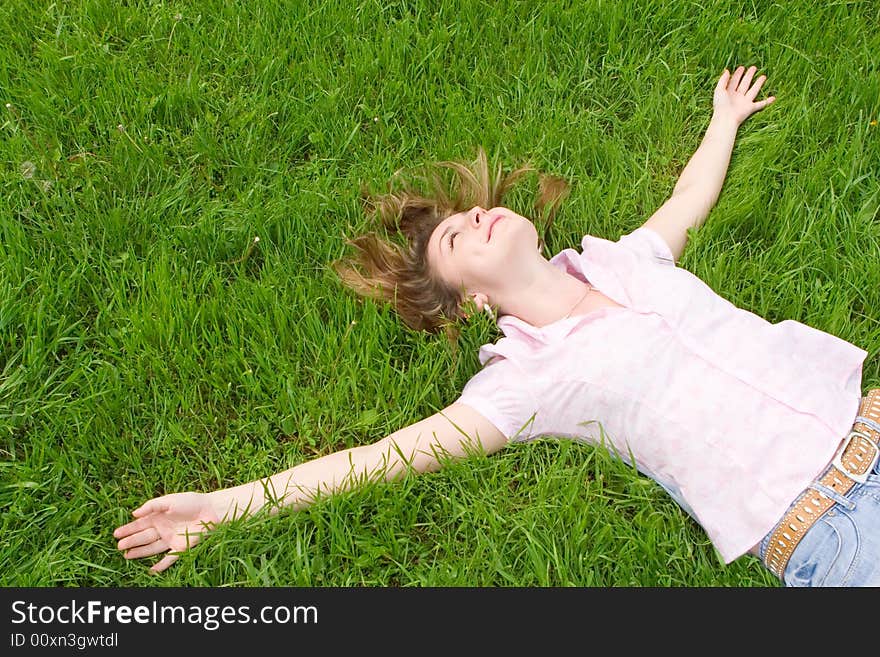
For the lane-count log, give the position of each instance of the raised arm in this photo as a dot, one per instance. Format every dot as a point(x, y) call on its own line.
point(173, 523)
point(699, 185)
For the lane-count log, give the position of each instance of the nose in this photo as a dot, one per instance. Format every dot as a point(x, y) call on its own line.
point(478, 216)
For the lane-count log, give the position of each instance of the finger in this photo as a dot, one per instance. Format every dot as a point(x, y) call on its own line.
point(156, 547)
point(763, 103)
point(735, 78)
point(153, 506)
point(132, 527)
point(159, 566)
point(141, 538)
point(723, 80)
point(751, 93)
point(743, 86)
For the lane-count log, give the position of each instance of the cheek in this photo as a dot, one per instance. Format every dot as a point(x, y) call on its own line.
point(465, 270)
point(448, 271)
point(483, 270)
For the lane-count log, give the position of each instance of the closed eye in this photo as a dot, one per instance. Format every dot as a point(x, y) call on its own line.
point(451, 237)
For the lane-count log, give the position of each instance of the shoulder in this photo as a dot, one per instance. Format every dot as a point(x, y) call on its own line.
point(643, 242)
point(646, 242)
point(500, 391)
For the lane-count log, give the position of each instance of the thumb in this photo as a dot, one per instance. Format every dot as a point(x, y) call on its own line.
point(153, 506)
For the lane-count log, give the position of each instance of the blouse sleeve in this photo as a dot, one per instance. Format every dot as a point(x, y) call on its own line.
point(647, 243)
point(499, 393)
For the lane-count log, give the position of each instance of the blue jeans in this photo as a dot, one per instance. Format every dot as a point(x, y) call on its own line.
point(842, 548)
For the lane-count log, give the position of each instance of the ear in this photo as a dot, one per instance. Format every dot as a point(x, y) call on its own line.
point(479, 300)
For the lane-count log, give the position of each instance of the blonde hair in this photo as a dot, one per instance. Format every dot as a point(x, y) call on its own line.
point(382, 268)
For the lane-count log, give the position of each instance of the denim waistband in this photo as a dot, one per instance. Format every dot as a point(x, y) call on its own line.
point(839, 500)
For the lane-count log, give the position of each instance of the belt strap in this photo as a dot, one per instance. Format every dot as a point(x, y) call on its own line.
point(855, 459)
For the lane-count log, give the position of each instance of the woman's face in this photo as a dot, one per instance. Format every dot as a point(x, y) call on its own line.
point(477, 249)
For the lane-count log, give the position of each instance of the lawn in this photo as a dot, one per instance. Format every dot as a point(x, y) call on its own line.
point(150, 344)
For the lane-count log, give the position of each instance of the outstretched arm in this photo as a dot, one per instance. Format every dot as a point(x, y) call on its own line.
point(174, 523)
point(699, 185)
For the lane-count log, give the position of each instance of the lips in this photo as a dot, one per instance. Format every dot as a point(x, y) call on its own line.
point(491, 226)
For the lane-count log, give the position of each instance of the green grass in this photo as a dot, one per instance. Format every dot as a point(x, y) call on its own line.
point(148, 143)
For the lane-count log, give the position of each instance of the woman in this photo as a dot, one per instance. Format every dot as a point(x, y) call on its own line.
point(738, 419)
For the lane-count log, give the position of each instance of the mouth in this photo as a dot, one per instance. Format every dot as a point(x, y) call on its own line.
point(491, 226)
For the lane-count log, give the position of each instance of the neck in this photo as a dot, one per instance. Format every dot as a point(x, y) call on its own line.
point(549, 295)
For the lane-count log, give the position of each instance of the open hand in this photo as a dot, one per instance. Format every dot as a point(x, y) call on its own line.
point(169, 523)
point(735, 94)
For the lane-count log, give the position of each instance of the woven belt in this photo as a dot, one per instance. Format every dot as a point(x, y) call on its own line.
point(853, 462)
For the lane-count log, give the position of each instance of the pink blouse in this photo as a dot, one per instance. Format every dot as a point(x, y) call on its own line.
point(732, 415)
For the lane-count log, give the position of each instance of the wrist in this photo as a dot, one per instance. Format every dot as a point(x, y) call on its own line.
point(227, 506)
point(218, 500)
point(722, 120)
